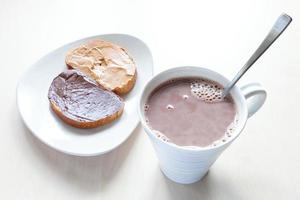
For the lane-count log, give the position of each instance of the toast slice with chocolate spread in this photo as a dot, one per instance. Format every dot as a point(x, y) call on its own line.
point(82, 102)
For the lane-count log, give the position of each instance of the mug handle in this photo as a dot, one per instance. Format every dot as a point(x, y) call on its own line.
point(255, 96)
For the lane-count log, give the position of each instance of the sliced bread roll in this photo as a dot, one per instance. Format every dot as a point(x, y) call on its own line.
point(81, 102)
point(108, 64)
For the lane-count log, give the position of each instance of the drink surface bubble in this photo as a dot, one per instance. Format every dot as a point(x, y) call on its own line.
point(206, 90)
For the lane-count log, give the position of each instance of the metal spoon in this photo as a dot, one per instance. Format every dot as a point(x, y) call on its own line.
point(280, 25)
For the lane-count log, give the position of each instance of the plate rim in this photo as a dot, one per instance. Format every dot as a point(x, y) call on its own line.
point(26, 71)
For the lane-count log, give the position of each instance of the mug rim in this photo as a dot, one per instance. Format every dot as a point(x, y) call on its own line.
point(240, 126)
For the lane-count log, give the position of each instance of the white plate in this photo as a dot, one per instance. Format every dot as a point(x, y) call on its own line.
point(34, 107)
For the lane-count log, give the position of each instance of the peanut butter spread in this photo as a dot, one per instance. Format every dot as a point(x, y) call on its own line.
point(107, 63)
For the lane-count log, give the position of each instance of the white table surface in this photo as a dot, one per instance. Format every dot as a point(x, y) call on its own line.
point(263, 163)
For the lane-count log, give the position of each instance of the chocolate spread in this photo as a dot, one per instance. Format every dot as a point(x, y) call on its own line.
point(82, 99)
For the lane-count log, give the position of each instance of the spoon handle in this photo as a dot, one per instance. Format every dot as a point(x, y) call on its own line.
point(280, 25)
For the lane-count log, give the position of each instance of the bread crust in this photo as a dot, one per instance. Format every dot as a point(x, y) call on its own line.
point(128, 87)
point(85, 125)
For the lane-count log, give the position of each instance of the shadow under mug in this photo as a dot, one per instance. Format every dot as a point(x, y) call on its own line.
point(188, 165)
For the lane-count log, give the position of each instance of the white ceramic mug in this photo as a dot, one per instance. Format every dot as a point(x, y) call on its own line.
point(187, 165)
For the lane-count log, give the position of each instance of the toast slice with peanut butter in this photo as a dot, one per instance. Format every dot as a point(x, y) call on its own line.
point(107, 63)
